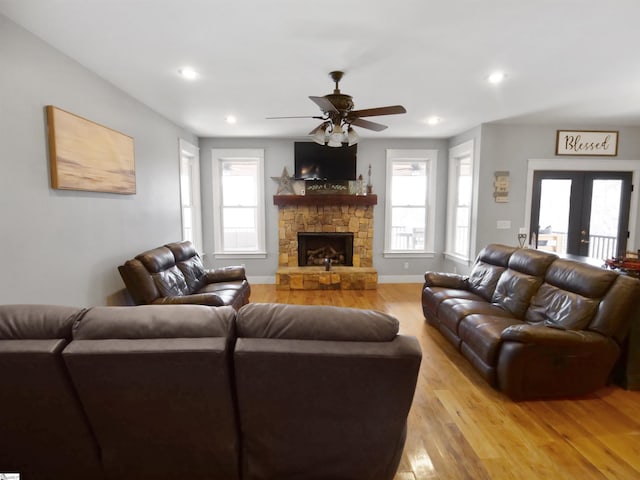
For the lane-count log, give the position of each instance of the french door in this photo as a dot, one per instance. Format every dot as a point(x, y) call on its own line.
point(581, 213)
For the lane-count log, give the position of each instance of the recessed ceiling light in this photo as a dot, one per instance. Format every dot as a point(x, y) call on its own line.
point(433, 120)
point(497, 77)
point(231, 119)
point(188, 73)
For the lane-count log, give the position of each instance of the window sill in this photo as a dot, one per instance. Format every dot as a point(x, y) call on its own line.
point(454, 257)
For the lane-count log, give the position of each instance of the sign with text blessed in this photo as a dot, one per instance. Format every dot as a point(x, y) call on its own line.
point(587, 142)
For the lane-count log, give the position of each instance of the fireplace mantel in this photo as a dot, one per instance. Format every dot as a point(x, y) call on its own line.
point(320, 200)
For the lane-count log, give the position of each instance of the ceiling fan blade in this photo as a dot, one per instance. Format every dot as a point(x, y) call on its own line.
point(303, 116)
point(324, 104)
point(372, 112)
point(376, 127)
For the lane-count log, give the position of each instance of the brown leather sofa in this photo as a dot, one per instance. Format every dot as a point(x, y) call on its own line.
point(532, 324)
point(164, 392)
point(174, 274)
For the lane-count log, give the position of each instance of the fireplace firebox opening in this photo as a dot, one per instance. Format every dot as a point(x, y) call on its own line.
point(315, 247)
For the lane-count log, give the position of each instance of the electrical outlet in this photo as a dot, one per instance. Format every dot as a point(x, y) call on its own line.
point(406, 265)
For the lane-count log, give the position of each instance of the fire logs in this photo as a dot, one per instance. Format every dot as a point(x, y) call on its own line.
point(318, 256)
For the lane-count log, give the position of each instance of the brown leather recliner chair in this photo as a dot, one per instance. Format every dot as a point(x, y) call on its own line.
point(174, 274)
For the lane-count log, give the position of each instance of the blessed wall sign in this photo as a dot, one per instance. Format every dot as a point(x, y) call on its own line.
point(587, 142)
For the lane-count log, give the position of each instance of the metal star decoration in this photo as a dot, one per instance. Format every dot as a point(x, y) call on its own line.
point(285, 183)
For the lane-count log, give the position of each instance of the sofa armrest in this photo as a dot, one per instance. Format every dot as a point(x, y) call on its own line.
point(225, 274)
point(209, 298)
point(543, 335)
point(446, 280)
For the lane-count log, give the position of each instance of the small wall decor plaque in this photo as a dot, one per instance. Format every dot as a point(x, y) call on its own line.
point(587, 142)
point(501, 187)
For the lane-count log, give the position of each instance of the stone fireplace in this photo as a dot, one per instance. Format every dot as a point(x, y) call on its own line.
point(334, 216)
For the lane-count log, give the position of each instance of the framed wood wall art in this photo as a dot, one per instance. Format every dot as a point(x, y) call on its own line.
point(87, 156)
point(587, 142)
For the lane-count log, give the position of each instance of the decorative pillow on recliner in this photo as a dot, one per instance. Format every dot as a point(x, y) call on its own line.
point(171, 282)
point(193, 272)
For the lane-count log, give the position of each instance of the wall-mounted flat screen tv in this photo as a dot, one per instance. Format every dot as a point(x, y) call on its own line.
point(315, 161)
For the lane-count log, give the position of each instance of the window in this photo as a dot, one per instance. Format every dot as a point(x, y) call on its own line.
point(410, 203)
point(238, 213)
point(460, 201)
point(190, 194)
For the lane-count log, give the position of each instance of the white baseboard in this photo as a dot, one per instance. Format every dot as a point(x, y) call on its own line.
point(262, 280)
point(400, 278)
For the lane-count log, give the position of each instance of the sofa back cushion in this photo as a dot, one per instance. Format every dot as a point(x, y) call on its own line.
point(521, 280)
point(189, 263)
point(168, 278)
point(155, 382)
point(515, 290)
point(154, 321)
point(312, 322)
point(569, 297)
point(492, 261)
point(37, 322)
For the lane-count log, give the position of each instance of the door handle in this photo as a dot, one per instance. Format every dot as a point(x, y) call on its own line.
point(584, 241)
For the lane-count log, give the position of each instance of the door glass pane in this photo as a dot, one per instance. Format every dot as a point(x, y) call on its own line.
point(605, 217)
point(555, 195)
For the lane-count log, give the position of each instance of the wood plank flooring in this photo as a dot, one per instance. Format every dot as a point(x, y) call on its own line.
point(460, 428)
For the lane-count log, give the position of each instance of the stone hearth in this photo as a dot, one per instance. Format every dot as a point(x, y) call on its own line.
point(342, 213)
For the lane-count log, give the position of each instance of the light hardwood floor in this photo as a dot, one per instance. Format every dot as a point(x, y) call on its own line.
point(460, 428)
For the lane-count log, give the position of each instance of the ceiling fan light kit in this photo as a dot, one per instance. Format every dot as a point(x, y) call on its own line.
point(338, 116)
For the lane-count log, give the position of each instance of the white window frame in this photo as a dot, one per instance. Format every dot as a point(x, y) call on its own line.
point(190, 165)
point(429, 157)
point(240, 155)
point(457, 153)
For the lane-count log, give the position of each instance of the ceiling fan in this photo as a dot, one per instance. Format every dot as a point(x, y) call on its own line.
point(339, 117)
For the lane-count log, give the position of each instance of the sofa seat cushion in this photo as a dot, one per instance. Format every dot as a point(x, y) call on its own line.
point(432, 297)
point(315, 322)
point(453, 310)
point(217, 287)
point(482, 333)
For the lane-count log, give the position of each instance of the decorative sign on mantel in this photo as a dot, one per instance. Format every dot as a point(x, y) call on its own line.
point(325, 187)
point(587, 142)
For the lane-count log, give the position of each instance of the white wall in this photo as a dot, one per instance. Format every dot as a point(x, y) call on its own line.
point(63, 247)
point(279, 154)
